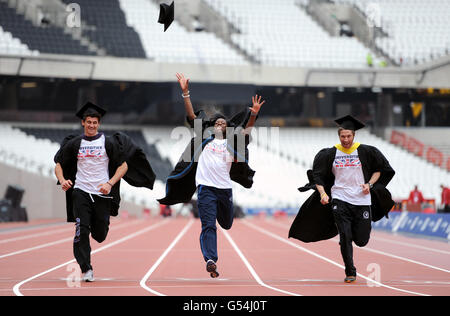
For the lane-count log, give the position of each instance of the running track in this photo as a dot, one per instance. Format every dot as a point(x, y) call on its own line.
point(158, 256)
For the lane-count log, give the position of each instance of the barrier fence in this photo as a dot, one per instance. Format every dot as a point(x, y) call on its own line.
point(418, 148)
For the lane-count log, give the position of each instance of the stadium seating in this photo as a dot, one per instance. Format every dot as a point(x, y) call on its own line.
point(107, 27)
point(302, 144)
point(418, 31)
point(49, 39)
point(13, 46)
point(176, 44)
point(292, 38)
point(162, 167)
point(18, 143)
point(280, 164)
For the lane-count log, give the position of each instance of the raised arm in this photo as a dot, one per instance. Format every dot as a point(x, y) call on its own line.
point(256, 106)
point(184, 85)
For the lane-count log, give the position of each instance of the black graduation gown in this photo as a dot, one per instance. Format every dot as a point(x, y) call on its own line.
point(119, 148)
point(315, 221)
point(180, 185)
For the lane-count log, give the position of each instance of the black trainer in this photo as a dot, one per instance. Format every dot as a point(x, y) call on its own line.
point(211, 267)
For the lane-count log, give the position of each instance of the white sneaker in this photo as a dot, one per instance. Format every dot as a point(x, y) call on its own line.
point(88, 276)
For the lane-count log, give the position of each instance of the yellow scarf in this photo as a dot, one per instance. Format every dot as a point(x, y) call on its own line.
point(348, 151)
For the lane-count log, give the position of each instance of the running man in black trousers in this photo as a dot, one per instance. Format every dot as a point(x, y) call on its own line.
point(350, 181)
point(89, 168)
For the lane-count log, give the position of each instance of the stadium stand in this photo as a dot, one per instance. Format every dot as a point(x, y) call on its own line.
point(292, 38)
point(13, 46)
point(177, 44)
point(162, 167)
point(287, 162)
point(418, 31)
point(303, 143)
point(108, 28)
point(33, 151)
point(49, 39)
point(413, 33)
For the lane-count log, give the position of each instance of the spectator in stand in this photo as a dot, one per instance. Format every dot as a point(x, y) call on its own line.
point(445, 199)
point(416, 196)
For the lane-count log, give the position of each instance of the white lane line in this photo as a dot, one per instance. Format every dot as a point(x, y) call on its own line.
point(46, 233)
point(404, 259)
point(412, 245)
point(369, 280)
point(36, 247)
point(161, 258)
point(407, 244)
point(16, 288)
point(395, 256)
point(29, 228)
point(250, 268)
point(4, 241)
point(18, 252)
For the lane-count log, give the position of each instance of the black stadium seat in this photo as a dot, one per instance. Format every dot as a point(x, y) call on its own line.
point(50, 39)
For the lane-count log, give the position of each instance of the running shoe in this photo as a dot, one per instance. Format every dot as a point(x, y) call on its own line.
point(88, 276)
point(211, 267)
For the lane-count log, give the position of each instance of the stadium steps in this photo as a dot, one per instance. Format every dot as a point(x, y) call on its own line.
point(49, 39)
point(107, 28)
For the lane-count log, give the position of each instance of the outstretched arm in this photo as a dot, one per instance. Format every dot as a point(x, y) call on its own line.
point(256, 106)
point(184, 85)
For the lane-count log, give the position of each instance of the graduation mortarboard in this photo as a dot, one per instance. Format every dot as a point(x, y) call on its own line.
point(90, 109)
point(349, 122)
point(166, 14)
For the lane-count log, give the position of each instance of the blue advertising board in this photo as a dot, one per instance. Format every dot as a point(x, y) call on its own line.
point(435, 225)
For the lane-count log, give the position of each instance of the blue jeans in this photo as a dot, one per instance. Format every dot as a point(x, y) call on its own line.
point(213, 203)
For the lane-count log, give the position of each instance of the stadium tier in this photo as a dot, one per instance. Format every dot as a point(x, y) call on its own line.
point(274, 33)
point(43, 39)
point(416, 31)
point(280, 158)
point(176, 44)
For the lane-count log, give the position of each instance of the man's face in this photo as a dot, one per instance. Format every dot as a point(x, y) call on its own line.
point(346, 137)
point(220, 125)
point(90, 125)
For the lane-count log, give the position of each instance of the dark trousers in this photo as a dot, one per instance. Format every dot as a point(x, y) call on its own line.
point(213, 204)
point(92, 217)
point(354, 223)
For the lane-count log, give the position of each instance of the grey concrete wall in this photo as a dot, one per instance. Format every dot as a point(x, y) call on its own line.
point(42, 198)
point(435, 74)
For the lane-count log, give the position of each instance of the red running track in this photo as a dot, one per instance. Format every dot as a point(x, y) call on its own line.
point(158, 256)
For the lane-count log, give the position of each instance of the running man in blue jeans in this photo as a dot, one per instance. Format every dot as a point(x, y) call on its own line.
point(221, 158)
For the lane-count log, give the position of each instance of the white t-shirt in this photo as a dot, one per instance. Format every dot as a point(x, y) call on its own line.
point(214, 165)
point(349, 176)
point(92, 165)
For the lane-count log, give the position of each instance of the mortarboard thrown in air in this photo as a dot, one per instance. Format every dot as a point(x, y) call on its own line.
point(166, 14)
point(349, 122)
point(90, 109)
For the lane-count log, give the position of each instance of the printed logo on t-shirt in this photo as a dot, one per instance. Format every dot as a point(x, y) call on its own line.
point(90, 152)
point(347, 161)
